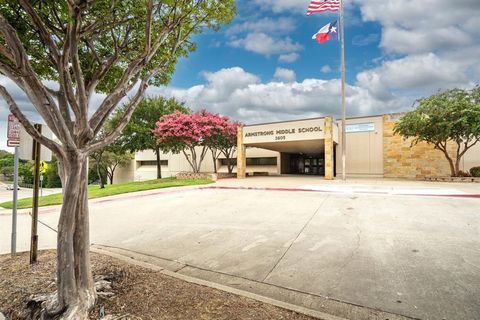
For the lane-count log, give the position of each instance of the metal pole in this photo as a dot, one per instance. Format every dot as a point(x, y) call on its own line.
point(344, 111)
point(14, 207)
point(36, 184)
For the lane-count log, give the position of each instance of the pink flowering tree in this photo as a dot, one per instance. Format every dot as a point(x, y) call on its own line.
point(194, 134)
point(223, 140)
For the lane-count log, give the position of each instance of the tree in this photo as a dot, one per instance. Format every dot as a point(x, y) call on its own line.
point(179, 132)
point(223, 140)
point(450, 118)
point(7, 172)
point(6, 161)
point(137, 135)
point(111, 160)
point(96, 160)
point(87, 46)
point(25, 172)
point(51, 177)
point(185, 133)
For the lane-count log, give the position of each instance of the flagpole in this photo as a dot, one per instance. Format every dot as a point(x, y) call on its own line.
point(344, 109)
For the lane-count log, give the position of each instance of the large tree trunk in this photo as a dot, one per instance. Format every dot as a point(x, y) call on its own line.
point(159, 165)
point(76, 293)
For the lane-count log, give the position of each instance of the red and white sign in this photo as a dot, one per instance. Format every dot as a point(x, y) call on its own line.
point(13, 131)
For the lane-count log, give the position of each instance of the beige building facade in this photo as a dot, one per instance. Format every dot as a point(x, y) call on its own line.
point(313, 147)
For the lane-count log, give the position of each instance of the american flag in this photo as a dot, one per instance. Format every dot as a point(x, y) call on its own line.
point(322, 6)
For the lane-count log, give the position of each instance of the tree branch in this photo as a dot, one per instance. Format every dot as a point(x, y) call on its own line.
point(42, 30)
point(28, 80)
point(50, 144)
point(123, 121)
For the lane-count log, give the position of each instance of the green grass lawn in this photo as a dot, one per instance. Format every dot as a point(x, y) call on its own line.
point(110, 190)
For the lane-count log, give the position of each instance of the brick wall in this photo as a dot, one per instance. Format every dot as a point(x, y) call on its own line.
point(401, 160)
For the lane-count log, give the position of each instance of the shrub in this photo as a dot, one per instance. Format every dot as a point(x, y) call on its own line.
point(464, 174)
point(51, 179)
point(25, 172)
point(475, 172)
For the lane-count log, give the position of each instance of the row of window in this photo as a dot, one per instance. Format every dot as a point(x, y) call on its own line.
point(153, 163)
point(265, 161)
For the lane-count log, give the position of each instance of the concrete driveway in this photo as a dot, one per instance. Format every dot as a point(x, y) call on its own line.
point(409, 255)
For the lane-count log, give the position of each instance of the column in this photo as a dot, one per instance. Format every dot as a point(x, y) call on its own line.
point(328, 142)
point(241, 155)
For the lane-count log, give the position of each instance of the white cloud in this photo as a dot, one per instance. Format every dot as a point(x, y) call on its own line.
point(425, 72)
point(284, 75)
point(326, 69)
point(263, 44)
point(288, 57)
point(250, 100)
point(399, 40)
point(413, 26)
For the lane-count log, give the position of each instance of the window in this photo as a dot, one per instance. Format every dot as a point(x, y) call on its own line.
point(270, 161)
point(153, 163)
point(267, 161)
point(224, 162)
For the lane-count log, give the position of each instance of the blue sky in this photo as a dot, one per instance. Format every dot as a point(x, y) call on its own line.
point(361, 41)
point(264, 66)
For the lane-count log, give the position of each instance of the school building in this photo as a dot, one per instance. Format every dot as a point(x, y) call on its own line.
point(313, 147)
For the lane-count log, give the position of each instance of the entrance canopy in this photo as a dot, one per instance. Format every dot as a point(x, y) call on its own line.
point(301, 147)
point(300, 136)
point(302, 143)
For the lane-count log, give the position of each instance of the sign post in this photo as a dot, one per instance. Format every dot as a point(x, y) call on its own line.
point(36, 184)
point(13, 140)
point(43, 170)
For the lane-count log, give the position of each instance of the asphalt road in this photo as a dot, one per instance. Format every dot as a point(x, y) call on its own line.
point(409, 255)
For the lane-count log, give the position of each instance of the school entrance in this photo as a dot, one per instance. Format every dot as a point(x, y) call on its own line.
point(306, 164)
point(306, 147)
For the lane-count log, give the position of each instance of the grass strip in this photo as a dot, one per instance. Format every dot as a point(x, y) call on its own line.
point(110, 190)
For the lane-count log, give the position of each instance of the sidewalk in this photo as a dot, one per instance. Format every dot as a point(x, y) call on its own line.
point(354, 185)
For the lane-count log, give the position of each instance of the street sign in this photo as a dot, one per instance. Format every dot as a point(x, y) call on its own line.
point(43, 167)
point(26, 145)
point(13, 131)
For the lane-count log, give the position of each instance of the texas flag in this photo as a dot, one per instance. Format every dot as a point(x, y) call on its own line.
point(328, 32)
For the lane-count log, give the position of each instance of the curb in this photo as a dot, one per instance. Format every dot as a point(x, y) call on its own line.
point(277, 303)
point(360, 192)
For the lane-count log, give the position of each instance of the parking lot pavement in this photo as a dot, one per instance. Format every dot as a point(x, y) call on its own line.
point(408, 255)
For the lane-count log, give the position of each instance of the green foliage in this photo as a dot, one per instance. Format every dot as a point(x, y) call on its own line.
point(106, 162)
point(121, 18)
point(51, 179)
point(25, 172)
point(92, 174)
point(5, 154)
point(137, 135)
point(475, 172)
point(7, 171)
point(452, 116)
point(6, 162)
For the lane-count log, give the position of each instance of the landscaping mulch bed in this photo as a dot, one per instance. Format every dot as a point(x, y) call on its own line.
point(139, 293)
